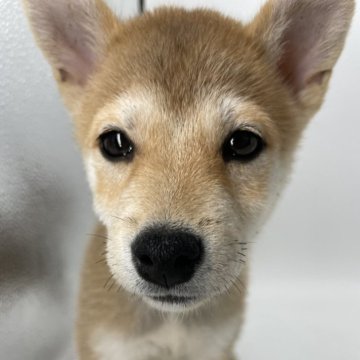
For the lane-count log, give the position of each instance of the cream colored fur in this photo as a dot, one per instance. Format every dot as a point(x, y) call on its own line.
point(178, 83)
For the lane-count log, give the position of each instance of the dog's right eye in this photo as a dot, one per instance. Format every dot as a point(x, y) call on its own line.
point(243, 146)
point(116, 146)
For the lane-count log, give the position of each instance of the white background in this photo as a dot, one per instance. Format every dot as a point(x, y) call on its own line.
point(304, 297)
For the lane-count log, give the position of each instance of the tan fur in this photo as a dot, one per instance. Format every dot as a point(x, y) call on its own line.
point(179, 82)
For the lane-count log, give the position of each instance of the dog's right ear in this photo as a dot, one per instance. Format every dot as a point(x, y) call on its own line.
point(304, 39)
point(73, 34)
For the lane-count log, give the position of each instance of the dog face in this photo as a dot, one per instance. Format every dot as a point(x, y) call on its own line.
point(182, 176)
point(188, 122)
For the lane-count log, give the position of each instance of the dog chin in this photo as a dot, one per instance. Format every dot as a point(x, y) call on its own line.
point(172, 303)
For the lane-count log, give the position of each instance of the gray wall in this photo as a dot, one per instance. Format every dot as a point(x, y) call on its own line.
point(45, 207)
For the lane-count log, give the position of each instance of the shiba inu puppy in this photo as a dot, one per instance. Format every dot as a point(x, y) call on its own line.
point(188, 122)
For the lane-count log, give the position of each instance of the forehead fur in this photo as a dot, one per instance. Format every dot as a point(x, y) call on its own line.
point(188, 56)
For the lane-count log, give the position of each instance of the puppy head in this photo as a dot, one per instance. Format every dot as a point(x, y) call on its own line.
point(188, 122)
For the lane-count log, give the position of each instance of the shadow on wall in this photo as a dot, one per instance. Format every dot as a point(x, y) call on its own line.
point(44, 201)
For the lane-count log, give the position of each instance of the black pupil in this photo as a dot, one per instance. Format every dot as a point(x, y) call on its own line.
point(243, 142)
point(115, 145)
point(242, 145)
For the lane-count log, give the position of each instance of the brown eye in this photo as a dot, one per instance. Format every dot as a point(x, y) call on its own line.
point(116, 146)
point(242, 145)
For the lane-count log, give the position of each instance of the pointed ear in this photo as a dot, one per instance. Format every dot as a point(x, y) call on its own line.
point(304, 38)
point(73, 35)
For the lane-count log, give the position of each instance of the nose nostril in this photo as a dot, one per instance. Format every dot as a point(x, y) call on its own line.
point(146, 260)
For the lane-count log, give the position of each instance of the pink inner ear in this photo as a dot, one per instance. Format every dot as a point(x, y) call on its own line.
point(78, 66)
point(73, 33)
point(303, 49)
point(296, 64)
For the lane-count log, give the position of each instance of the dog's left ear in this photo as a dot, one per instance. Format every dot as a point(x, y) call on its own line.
point(304, 39)
point(73, 34)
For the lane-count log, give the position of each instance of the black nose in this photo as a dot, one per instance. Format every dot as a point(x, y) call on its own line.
point(166, 257)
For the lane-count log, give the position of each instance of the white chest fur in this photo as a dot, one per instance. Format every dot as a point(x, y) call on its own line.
point(171, 341)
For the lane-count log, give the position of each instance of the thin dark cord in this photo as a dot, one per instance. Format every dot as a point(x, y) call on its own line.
point(142, 5)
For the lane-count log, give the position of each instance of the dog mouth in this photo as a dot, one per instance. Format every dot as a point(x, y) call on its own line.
point(173, 299)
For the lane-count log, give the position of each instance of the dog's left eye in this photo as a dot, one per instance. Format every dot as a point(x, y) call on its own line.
point(242, 145)
point(115, 145)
